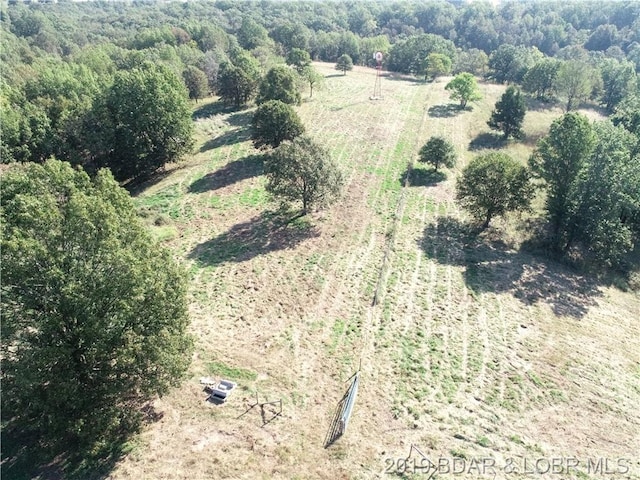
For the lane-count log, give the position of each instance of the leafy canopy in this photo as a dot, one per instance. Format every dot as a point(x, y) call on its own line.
point(299, 59)
point(508, 114)
point(238, 78)
point(607, 200)
point(273, 123)
point(494, 184)
point(150, 120)
point(344, 63)
point(574, 83)
point(540, 78)
point(302, 170)
point(438, 151)
point(196, 81)
point(464, 87)
point(435, 65)
point(558, 159)
point(94, 312)
point(279, 84)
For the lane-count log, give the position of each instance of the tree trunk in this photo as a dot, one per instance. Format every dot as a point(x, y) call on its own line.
point(487, 220)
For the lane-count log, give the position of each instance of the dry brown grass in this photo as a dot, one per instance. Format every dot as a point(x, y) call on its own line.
point(475, 349)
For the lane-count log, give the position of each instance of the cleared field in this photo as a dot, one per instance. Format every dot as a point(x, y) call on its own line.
point(474, 348)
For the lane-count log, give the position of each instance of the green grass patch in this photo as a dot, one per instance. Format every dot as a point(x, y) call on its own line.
point(483, 442)
point(164, 233)
point(337, 330)
point(233, 373)
point(254, 197)
point(165, 201)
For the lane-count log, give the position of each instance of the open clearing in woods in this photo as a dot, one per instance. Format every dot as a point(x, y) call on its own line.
point(474, 348)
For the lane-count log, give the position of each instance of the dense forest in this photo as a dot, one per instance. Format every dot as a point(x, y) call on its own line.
point(112, 85)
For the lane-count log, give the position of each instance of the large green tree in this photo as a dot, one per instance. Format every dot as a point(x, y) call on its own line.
point(408, 56)
point(51, 108)
point(438, 151)
point(509, 63)
point(150, 121)
point(619, 80)
point(238, 78)
point(473, 61)
point(540, 78)
point(302, 170)
point(273, 123)
point(558, 159)
point(492, 185)
point(435, 65)
point(251, 34)
point(299, 59)
point(94, 312)
point(464, 88)
point(607, 200)
point(574, 83)
point(508, 114)
point(196, 81)
point(344, 63)
point(279, 84)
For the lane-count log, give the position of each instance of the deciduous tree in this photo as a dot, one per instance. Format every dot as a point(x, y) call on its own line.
point(312, 77)
point(273, 123)
point(302, 170)
point(492, 185)
point(299, 59)
point(474, 61)
point(540, 78)
point(150, 120)
point(574, 83)
point(464, 87)
point(438, 151)
point(607, 212)
point(558, 159)
point(509, 63)
point(435, 65)
point(619, 81)
point(251, 34)
point(196, 82)
point(279, 84)
point(238, 78)
point(344, 63)
point(94, 312)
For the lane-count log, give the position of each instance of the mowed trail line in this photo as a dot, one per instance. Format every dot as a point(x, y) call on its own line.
point(475, 348)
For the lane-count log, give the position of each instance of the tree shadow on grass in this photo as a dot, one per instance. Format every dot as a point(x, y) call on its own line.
point(232, 172)
point(487, 141)
point(135, 186)
point(267, 232)
point(490, 266)
point(421, 177)
point(241, 119)
point(231, 137)
point(210, 109)
point(401, 77)
point(220, 108)
point(445, 110)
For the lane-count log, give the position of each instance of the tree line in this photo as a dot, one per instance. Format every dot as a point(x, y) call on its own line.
point(66, 62)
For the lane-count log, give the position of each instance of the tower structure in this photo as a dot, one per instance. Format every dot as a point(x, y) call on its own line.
point(377, 87)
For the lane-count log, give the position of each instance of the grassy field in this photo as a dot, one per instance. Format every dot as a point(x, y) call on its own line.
point(474, 349)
